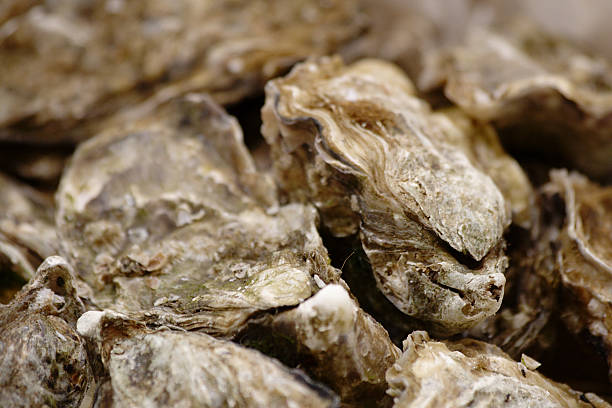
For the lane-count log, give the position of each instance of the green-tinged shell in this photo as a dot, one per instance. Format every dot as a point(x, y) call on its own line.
point(167, 216)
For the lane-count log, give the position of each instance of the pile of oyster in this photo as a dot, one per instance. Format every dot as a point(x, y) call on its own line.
point(311, 203)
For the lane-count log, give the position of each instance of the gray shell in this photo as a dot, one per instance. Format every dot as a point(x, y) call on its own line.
point(166, 217)
point(67, 65)
point(42, 358)
point(372, 157)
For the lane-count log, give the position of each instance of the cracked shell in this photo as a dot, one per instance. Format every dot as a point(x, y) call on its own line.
point(373, 158)
point(167, 217)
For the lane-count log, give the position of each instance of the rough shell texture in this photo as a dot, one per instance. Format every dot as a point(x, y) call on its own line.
point(372, 157)
point(546, 96)
point(182, 369)
point(168, 216)
point(584, 257)
point(27, 231)
point(470, 373)
point(532, 286)
point(43, 359)
point(67, 62)
point(335, 341)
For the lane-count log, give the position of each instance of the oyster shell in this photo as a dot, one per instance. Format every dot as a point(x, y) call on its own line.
point(335, 341)
point(67, 64)
point(27, 230)
point(584, 257)
point(545, 95)
point(44, 361)
point(160, 368)
point(372, 157)
point(532, 286)
point(475, 374)
point(167, 217)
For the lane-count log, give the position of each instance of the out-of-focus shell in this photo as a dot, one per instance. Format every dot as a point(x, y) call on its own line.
point(372, 157)
point(67, 64)
point(175, 368)
point(27, 230)
point(584, 257)
point(42, 358)
point(544, 94)
point(167, 216)
point(470, 373)
point(334, 340)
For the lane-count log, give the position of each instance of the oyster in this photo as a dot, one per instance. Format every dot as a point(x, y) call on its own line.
point(470, 373)
point(160, 368)
point(44, 361)
point(335, 341)
point(68, 64)
point(532, 286)
point(584, 257)
point(373, 158)
point(167, 217)
point(27, 230)
point(543, 94)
